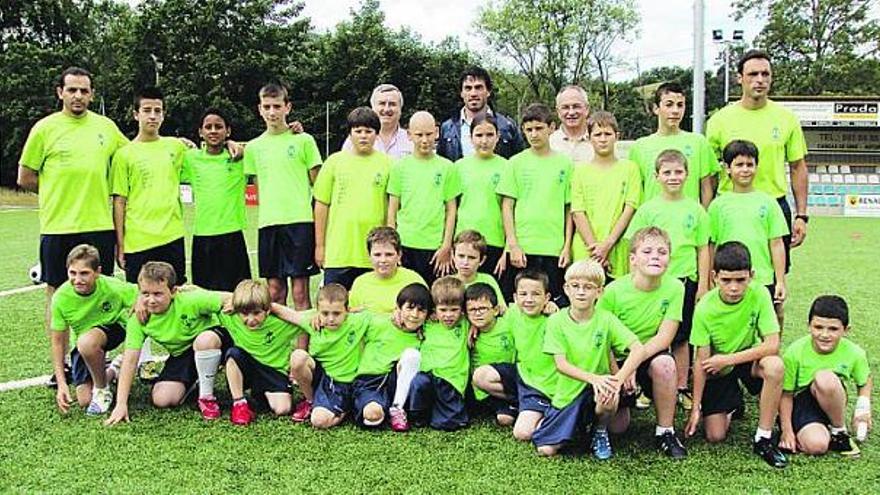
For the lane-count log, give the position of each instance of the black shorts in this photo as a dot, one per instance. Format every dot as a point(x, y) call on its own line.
point(182, 368)
point(287, 250)
point(493, 254)
point(683, 334)
point(562, 426)
point(806, 410)
point(786, 239)
point(344, 276)
point(171, 253)
point(723, 394)
point(330, 394)
point(79, 371)
point(258, 377)
point(643, 379)
point(54, 249)
point(220, 262)
point(530, 398)
point(546, 264)
point(419, 261)
point(373, 388)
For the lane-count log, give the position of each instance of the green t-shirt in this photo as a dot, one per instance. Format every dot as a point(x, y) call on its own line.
point(189, 314)
point(423, 187)
point(485, 278)
point(379, 295)
point(218, 185)
point(72, 157)
point(493, 346)
point(339, 351)
point(535, 368)
point(354, 188)
point(730, 328)
point(643, 312)
point(701, 159)
point(602, 193)
point(147, 174)
point(110, 303)
point(774, 129)
point(687, 224)
point(541, 187)
point(751, 218)
point(479, 207)
point(585, 345)
point(383, 345)
point(847, 360)
point(269, 345)
point(282, 163)
point(445, 353)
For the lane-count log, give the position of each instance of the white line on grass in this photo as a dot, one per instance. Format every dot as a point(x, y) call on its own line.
point(16, 209)
point(28, 382)
point(29, 288)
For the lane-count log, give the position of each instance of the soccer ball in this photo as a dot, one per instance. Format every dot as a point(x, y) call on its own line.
point(36, 274)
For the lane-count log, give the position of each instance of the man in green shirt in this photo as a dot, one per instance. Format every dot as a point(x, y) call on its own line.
point(736, 341)
point(422, 192)
point(376, 291)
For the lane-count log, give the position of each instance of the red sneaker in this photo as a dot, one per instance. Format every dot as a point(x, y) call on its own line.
point(302, 411)
point(241, 413)
point(399, 423)
point(209, 407)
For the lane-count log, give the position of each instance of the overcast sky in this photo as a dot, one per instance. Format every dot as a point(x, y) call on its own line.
point(665, 37)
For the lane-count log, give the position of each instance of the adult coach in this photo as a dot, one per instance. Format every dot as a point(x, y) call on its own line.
point(66, 157)
point(393, 140)
point(455, 132)
point(572, 139)
point(778, 135)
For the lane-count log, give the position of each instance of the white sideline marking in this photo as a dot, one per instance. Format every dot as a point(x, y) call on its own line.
point(19, 290)
point(28, 382)
point(16, 209)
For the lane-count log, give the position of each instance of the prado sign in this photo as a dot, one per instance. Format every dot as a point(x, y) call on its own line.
point(839, 113)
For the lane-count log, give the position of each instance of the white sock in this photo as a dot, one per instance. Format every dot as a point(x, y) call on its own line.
point(407, 367)
point(207, 363)
point(835, 430)
point(146, 352)
point(659, 430)
point(761, 433)
point(239, 401)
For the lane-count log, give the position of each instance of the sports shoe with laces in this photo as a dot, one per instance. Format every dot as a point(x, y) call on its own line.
point(241, 413)
point(670, 445)
point(767, 449)
point(209, 407)
point(399, 422)
point(102, 398)
point(302, 411)
point(842, 443)
point(601, 445)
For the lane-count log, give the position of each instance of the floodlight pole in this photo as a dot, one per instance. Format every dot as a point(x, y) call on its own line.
point(699, 76)
point(726, 72)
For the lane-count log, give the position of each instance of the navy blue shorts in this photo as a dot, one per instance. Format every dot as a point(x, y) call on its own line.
point(79, 371)
point(54, 249)
point(373, 388)
point(806, 410)
point(258, 377)
point(182, 368)
point(436, 402)
point(419, 261)
point(561, 426)
point(683, 334)
point(509, 378)
point(171, 253)
point(530, 398)
point(724, 395)
point(287, 250)
point(643, 379)
point(343, 276)
point(220, 262)
point(330, 394)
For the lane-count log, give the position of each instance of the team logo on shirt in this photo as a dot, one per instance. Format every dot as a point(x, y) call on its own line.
point(842, 369)
point(106, 306)
point(101, 139)
point(688, 150)
point(689, 221)
point(762, 211)
point(269, 337)
point(599, 338)
point(562, 176)
point(438, 178)
point(351, 337)
point(495, 178)
point(664, 307)
point(505, 342)
point(775, 133)
point(753, 320)
point(186, 321)
point(291, 151)
point(377, 180)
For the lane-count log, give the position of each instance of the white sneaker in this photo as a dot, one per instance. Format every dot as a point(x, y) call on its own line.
point(102, 398)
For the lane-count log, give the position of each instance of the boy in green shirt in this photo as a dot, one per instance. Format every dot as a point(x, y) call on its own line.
point(437, 391)
point(469, 254)
point(95, 307)
point(350, 201)
point(260, 355)
point(377, 290)
point(185, 324)
point(535, 192)
point(326, 372)
point(687, 224)
point(753, 218)
point(422, 192)
point(493, 353)
point(669, 107)
point(582, 340)
point(813, 407)
point(286, 165)
point(604, 196)
point(219, 254)
point(736, 341)
point(391, 360)
point(648, 302)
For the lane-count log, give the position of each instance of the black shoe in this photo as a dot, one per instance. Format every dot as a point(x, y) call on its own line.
point(843, 443)
point(670, 445)
point(770, 453)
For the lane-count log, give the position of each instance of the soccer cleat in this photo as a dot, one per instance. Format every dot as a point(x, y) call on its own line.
point(209, 407)
point(670, 445)
point(399, 422)
point(771, 454)
point(241, 413)
point(302, 411)
point(102, 398)
point(601, 445)
point(686, 399)
point(643, 401)
point(843, 443)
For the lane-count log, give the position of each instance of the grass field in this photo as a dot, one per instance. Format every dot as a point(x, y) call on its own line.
point(174, 451)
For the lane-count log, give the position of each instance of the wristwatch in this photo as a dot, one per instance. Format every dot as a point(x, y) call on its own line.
point(805, 218)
